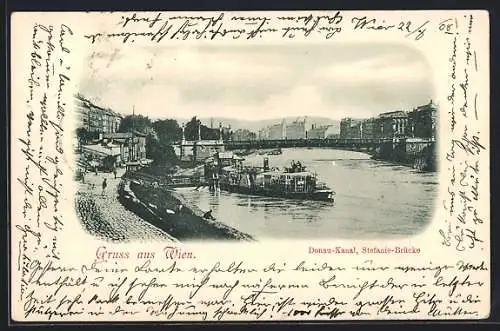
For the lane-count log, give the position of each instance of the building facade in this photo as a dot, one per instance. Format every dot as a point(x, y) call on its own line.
point(418, 123)
point(323, 131)
point(196, 151)
point(394, 124)
point(296, 130)
point(317, 132)
point(277, 131)
point(132, 144)
point(350, 128)
point(263, 134)
point(96, 119)
point(243, 135)
point(423, 121)
point(369, 128)
point(114, 150)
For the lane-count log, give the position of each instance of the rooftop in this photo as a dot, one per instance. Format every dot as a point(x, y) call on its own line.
point(226, 155)
point(88, 104)
point(101, 150)
point(122, 135)
point(203, 142)
point(291, 174)
point(392, 114)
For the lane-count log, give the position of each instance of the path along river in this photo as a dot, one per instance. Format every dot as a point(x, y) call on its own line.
point(374, 199)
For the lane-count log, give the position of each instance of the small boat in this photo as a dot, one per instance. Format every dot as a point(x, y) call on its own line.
point(289, 183)
point(275, 152)
point(271, 152)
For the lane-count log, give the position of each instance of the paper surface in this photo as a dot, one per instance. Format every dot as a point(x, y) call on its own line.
point(398, 242)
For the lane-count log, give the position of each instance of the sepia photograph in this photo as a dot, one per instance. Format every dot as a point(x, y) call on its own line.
point(250, 166)
point(251, 143)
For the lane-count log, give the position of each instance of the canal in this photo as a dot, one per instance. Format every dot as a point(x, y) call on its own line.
point(374, 199)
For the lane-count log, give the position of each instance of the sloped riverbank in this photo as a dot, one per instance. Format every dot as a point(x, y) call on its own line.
point(169, 211)
point(103, 216)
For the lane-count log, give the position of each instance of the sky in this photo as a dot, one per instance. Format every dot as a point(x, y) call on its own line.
point(251, 82)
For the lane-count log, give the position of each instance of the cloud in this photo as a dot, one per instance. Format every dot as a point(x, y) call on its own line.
point(389, 68)
point(259, 82)
point(299, 101)
point(185, 65)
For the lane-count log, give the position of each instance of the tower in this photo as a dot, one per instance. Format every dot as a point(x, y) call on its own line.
point(183, 133)
point(304, 127)
point(133, 154)
point(183, 141)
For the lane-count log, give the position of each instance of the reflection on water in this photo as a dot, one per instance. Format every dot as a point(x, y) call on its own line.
point(373, 199)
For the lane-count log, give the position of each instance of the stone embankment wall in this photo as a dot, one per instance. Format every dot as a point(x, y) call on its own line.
point(418, 155)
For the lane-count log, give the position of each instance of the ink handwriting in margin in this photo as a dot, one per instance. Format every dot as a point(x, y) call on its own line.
point(466, 144)
point(157, 27)
point(41, 145)
point(286, 289)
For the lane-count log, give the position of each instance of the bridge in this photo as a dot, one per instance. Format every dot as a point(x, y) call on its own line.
point(340, 143)
point(419, 153)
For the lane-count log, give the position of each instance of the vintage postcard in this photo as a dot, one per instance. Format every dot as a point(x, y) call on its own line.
point(249, 166)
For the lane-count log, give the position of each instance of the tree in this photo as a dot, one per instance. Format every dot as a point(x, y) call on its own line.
point(135, 122)
point(227, 134)
point(191, 130)
point(207, 133)
point(167, 131)
point(160, 153)
point(83, 135)
point(243, 134)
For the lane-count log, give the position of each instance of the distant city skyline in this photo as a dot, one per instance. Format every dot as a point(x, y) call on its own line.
point(259, 82)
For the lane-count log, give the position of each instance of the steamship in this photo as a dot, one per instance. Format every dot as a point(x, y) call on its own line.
point(294, 182)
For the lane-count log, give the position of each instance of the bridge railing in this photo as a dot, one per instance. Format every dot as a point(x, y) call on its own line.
point(303, 142)
point(319, 142)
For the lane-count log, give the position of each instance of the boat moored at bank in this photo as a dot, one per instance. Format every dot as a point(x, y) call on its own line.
point(293, 182)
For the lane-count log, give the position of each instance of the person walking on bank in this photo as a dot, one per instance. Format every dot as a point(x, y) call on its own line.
point(114, 172)
point(104, 184)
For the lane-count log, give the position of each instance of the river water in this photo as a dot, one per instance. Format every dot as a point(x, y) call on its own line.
point(374, 199)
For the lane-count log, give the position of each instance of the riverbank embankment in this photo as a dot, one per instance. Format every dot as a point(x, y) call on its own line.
point(103, 216)
point(419, 155)
point(166, 209)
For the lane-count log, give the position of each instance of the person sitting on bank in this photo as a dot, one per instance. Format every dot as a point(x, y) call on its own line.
point(198, 186)
point(208, 215)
